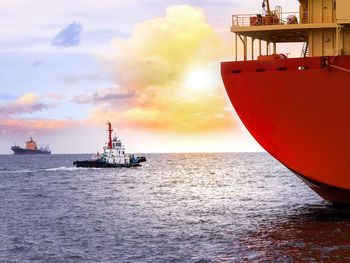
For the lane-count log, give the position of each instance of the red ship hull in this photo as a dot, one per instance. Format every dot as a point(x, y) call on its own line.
point(298, 110)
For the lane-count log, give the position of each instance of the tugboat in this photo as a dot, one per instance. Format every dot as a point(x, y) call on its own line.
point(113, 155)
point(31, 148)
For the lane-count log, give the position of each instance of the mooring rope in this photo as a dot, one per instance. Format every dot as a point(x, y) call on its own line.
point(347, 70)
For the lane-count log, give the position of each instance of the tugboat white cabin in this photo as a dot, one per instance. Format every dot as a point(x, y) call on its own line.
point(114, 151)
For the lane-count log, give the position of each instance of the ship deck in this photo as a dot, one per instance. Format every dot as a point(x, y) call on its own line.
point(280, 33)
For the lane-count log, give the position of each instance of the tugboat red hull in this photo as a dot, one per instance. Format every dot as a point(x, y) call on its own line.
point(298, 110)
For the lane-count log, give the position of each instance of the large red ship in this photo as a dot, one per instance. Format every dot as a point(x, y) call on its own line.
point(298, 109)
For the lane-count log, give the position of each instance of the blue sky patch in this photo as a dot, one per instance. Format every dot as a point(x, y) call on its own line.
point(69, 36)
point(7, 97)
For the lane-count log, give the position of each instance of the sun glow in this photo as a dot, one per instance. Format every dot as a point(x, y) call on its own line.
point(200, 79)
point(172, 74)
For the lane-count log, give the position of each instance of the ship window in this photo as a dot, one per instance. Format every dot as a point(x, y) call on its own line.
point(260, 70)
point(281, 69)
point(303, 68)
point(236, 71)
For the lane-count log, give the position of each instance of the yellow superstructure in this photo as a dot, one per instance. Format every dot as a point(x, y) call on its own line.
point(323, 25)
point(31, 145)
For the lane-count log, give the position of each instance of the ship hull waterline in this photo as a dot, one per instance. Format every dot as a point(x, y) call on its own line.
point(298, 110)
point(21, 151)
point(98, 164)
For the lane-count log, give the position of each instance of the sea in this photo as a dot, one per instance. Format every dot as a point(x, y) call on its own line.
point(196, 208)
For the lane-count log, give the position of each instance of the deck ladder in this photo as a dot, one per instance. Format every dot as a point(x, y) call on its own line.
point(305, 51)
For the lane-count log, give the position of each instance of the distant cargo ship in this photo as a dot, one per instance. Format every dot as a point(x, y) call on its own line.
point(31, 148)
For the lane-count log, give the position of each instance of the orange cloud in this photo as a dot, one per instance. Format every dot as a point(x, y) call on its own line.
point(29, 103)
point(54, 96)
point(35, 125)
point(171, 67)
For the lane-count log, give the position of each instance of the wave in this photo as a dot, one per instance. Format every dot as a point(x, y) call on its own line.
point(63, 168)
point(20, 171)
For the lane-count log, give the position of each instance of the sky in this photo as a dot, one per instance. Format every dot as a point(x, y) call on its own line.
point(152, 68)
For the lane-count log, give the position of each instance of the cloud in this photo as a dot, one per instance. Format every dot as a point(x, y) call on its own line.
point(27, 103)
point(27, 126)
point(54, 96)
point(75, 79)
point(11, 120)
point(111, 95)
point(69, 36)
point(155, 63)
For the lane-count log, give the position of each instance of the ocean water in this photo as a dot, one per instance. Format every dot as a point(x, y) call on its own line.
point(232, 207)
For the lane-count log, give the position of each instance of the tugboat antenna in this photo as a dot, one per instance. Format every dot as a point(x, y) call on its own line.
point(267, 6)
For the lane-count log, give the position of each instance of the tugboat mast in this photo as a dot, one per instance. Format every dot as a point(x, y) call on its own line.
point(268, 7)
point(109, 135)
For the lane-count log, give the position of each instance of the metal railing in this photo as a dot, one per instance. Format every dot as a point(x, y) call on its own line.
point(275, 18)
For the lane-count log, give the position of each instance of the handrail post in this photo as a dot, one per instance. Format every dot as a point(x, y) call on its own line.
point(236, 46)
point(245, 48)
point(267, 48)
point(244, 41)
point(259, 47)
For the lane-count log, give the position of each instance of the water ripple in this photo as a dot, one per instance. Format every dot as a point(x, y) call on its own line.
point(232, 207)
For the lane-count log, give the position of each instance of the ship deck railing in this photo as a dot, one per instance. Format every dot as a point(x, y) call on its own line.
point(260, 20)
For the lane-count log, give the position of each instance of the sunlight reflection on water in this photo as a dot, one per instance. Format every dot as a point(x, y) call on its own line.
point(175, 208)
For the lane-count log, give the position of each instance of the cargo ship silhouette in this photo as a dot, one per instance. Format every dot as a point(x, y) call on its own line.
point(31, 148)
point(297, 109)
